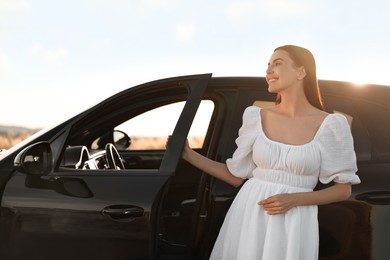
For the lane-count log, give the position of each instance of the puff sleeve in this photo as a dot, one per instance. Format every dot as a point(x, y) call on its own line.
point(241, 164)
point(338, 158)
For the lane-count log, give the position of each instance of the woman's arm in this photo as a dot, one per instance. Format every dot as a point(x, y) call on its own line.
point(215, 169)
point(281, 203)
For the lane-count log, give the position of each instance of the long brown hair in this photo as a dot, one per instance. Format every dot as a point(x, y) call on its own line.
point(303, 57)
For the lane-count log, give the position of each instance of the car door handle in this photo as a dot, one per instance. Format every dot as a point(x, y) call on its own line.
point(375, 197)
point(121, 212)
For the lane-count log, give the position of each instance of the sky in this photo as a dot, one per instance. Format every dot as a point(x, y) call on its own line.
point(58, 58)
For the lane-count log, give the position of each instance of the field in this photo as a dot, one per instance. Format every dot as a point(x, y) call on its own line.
point(10, 136)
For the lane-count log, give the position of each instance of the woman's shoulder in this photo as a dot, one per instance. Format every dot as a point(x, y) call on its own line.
point(337, 120)
point(256, 109)
point(252, 109)
point(251, 112)
point(251, 116)
point(336, 126)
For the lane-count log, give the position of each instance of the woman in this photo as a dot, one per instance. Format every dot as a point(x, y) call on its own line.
point(283, 151)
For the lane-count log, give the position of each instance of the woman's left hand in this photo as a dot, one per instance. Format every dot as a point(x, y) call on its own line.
point(278, 204)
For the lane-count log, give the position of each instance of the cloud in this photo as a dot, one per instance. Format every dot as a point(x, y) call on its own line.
point(245, 11)
point(185, 32)
point(6, 67)
point(161, 3)
point(123, 8)
point(11, 7)
point(101, 45)
point(107, 6)
point(285, 8)
point(56, 56)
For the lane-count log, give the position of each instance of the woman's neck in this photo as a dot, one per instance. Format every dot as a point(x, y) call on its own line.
point(294, 104)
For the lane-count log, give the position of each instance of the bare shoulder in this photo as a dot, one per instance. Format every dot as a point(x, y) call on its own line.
point(269, 111)
point(315, 117)
point(319, 113)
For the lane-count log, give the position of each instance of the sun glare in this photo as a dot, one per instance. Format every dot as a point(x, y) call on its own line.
point(361, 79)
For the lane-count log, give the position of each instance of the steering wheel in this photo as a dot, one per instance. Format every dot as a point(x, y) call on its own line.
point(114, 160)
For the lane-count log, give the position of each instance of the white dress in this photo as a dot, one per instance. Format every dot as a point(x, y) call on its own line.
point(271, 167)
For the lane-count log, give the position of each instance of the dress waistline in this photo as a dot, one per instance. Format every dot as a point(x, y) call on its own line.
point(286, 178)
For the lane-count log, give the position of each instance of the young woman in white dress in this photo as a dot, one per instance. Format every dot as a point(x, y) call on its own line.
point(282, 152)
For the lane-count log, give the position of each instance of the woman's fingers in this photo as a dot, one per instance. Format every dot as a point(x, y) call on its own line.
point(277, 204)
point(167, 141)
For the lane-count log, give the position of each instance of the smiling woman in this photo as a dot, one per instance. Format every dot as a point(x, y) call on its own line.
point(282, 153)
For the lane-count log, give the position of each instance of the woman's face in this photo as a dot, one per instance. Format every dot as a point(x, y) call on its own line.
point(281, 72)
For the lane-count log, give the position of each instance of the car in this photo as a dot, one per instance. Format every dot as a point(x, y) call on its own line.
point(102, 184)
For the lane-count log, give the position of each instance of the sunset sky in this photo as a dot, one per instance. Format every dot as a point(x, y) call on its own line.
point(60, 57)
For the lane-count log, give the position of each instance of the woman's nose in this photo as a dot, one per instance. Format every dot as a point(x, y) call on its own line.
point(269, 70)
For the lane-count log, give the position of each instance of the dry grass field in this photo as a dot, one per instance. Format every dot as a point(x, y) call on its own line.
point(145, 143)
point(8, 141)
point(11, 138)
point(11, 135)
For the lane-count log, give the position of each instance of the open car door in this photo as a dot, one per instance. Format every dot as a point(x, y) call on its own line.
point(52, 211)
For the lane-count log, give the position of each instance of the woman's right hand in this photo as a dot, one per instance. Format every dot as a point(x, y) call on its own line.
point(186, 147)
point(214, 168)
point(167, 141)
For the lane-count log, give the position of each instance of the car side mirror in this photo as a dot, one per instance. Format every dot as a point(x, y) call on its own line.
point(118, 138)
point(35, 159)
point(121, 140)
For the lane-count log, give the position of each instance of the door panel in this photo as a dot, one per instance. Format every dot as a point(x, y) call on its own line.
point(45, 217)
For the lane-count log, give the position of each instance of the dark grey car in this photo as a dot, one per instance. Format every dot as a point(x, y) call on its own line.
point(85, 190)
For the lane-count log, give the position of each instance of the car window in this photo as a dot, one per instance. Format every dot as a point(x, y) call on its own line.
point(149, 131)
